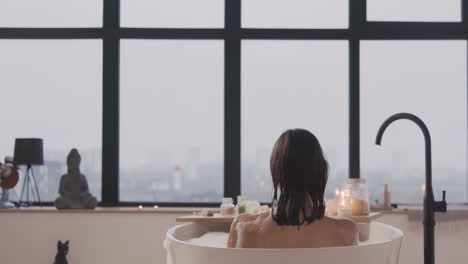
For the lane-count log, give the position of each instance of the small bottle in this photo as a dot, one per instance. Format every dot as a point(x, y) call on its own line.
point(227, 207)
point(241, 204)
point(386, 198)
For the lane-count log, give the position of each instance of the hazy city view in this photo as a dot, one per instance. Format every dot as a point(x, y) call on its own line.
point(292, 84)
point(172, 120)
point(428, 79)
point(172, 126)
point(52, 89)
point(172, 98)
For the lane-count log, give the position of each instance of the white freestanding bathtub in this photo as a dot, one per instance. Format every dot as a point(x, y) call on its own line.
point(382, 247)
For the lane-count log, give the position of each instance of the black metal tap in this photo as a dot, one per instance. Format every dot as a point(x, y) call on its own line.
point(430, 205)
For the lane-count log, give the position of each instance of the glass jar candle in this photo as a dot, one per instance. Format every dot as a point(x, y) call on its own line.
point(227, 207)
point(355, 196)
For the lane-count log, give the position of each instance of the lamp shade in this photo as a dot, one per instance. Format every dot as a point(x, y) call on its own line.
point(28, 151)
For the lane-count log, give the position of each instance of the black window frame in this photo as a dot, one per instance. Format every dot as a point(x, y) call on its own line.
point(232, 34)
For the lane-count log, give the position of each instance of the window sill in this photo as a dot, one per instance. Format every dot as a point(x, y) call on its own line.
point(105, 210)
point(184, 210)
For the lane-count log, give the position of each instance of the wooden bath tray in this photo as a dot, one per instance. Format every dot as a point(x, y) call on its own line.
point(366, 218)
point(218, 218)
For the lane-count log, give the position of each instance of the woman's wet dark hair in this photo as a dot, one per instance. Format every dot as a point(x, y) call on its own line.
point(300, 172)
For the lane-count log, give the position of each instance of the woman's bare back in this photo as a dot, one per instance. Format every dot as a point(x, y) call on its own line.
point(261, 231)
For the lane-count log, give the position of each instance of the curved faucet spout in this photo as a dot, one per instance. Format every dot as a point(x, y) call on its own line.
point(430, 206)
point(427, 139)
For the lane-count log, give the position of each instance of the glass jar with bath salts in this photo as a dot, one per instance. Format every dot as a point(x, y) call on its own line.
point(355, 196)
point(227, 207)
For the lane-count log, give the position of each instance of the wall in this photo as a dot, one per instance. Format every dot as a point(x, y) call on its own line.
point(94, 238)
point(451, 237)
point(120, 238)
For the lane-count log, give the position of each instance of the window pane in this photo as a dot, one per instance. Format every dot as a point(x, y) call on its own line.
point(295, 14)
point(173, 13)
point(414, 10)
point(53, 90)
point(172, 114)
point(428, 79)
point(51, 13)
point(292, 84)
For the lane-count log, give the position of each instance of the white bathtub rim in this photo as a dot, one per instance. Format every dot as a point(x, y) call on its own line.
point(169, 236)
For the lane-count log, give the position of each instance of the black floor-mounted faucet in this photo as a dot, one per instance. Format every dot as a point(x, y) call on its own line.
point(430, 206)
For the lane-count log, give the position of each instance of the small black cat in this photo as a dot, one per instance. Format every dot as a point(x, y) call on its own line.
point(62, 251)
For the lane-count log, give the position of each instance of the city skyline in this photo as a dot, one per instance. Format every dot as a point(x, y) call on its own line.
point(202, 182)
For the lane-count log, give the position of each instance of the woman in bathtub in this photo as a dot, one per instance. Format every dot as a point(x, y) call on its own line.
point(299, 171)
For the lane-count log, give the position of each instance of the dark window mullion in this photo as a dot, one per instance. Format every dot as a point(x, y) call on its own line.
point(464, 10)
point(396, 28)
point(171, 33)
point(50, 33)
point(465, 26)
point(293, 34)
point(357, 20)
point(232, 99)
point(110, 118)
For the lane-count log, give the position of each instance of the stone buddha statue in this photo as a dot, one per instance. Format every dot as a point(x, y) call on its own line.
point(73, 190)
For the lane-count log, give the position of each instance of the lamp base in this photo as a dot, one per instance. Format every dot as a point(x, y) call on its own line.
point(29, 186)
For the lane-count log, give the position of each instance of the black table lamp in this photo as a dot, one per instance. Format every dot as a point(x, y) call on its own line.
point(28, 152)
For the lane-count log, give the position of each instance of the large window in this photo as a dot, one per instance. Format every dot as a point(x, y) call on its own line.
point(295, 14)
point(292, 84)
point(51, 13)
point(428, 79)
point(414, 10)
point(52, 90)
point(179, 101)
point(171, 122)
point(173, 13)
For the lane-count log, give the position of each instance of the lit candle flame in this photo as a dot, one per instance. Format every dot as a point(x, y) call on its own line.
point(337, 191)
point(156, 207)
point(140, 207)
